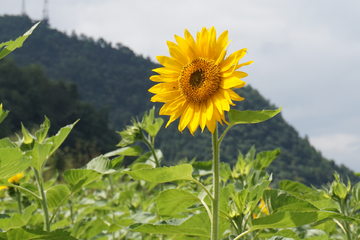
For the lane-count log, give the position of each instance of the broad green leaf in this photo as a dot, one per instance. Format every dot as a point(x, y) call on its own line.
point(120, 224)
point(295, 219)
point(3, 113)
point(6, 143)
point(164, 174)
point(100, 164)
point(42, 132)
point(300, 190)
point(172, 201)
point(38, 234)
point(263, 159)
point(149, 158)
point(225, 171)
point(56, 194)
point(248, 117)
point(255, 193)
point(58, 139)
point(78, 178)
point(39, 154)
point(17, 220)
point(197, 225)
point(202, 168)
point(8, 47)
point(125, 151)
point(12, 162)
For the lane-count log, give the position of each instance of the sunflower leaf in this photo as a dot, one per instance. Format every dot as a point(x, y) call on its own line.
point(249, 117)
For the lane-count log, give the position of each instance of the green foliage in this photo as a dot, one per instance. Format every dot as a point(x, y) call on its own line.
point(115, 76)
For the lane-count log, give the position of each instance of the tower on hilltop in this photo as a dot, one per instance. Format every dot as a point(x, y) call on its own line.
point(23, 13)
point(46, 12)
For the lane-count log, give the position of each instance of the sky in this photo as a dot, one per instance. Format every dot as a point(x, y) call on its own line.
point(306, 53)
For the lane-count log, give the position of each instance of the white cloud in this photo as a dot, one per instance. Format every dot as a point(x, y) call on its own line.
point(343, 147)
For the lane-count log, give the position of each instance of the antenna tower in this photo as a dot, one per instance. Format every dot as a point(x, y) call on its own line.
point(23, 13)
point(46, 12)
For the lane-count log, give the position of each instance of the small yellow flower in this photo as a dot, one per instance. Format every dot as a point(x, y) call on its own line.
point(263, 207)
point(14, 180)
point(196, 81)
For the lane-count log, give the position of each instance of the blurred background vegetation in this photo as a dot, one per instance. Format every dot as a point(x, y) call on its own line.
point(68, 76)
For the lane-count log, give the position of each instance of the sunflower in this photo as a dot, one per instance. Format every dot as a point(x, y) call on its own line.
point(196, 81)
point(14, 180)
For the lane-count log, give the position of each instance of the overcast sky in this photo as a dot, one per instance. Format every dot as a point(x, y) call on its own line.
point(306, 53)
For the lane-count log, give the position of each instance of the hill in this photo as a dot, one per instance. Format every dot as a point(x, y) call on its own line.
point(115, 77)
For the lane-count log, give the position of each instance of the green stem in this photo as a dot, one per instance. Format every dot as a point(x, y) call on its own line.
point(216, 186)
point(112, 199)
point(43, 199)
point(58, 207)
point(241, 235)
point(157, 162)
point(18, 199)
point(205, 189)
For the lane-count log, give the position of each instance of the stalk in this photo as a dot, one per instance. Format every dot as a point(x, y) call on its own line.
point(216, 186)
point(18, 199)
point(43, 199)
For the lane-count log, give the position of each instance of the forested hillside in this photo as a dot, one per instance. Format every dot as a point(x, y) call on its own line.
point(112, 75)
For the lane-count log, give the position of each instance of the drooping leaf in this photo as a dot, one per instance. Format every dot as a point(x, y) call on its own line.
point(56, 194)
point(172, 201)
point(8, 47)
point(163, 174)
point(120, 224)
point(100, 164)
point(248, 117)
point(125, 151)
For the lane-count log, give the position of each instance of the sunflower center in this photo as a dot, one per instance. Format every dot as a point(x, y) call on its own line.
point(199, 79)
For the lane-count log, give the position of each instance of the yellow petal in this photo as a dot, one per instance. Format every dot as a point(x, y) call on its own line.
point(217, 102)
point(176, 114)
point(186, 116)
point(209, 109)
point(161, 78)
point(189, 38)
point(244, 64)
point(232, 82)
point(211, 124)
point(234, 95)
point(170, 107)
point(224, 103)
point(169, 63)
point(176, 53)
point(165, 96)
point(166, 72)
point(194, 122)
point(185, 48)
point(203, 116)
point(164, 87)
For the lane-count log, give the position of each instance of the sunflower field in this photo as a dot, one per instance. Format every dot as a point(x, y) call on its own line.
point(129, 194)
